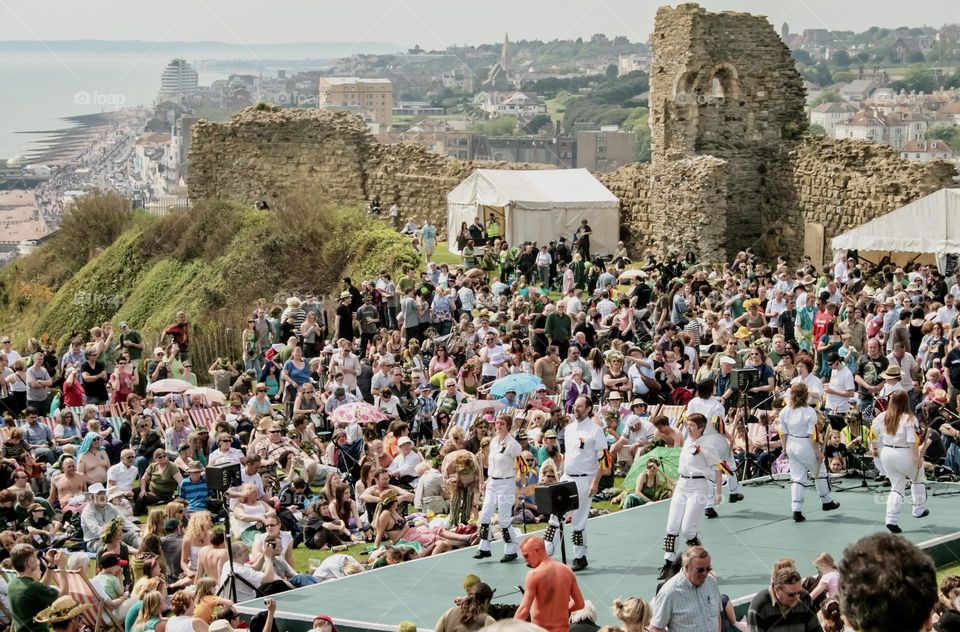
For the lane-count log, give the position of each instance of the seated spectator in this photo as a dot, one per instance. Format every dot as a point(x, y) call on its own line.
point(652, 485)
point(159, 482)
point(193, 488)
point(470, 613)
point(261, 577)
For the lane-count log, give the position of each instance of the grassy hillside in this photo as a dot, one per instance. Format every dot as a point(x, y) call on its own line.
point(212, 261)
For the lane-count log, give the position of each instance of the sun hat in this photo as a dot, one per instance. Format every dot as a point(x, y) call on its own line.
point(327, 618)
point(345, 294)
point(404, 441)
point(63, 609)
point(892, 373)
point(95, 489)
point(727, 360)
point(742, 333)
point(939, 397)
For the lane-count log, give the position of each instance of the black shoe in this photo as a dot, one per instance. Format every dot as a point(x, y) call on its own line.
point(735, 498)
point(665, 570)
point(710, 512)
point(830, 506)
point(479, 555)
point(798, 516)
point(879, 478)
point(894, 528)
point(926, 512)
point(509, 557)
point(886, 482)
point(578, 564)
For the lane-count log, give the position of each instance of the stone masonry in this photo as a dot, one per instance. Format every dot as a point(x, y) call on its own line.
point(731, 166)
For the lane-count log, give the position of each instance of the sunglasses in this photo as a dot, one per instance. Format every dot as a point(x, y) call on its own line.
point(703, 571)
point(792, 594)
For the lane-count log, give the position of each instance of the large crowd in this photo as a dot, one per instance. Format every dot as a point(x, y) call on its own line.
point(376, 416)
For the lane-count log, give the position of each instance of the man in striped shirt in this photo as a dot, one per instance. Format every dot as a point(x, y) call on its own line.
point(193, 489)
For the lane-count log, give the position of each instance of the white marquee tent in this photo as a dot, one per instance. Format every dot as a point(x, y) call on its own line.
point(536, 206)
point(929, 226)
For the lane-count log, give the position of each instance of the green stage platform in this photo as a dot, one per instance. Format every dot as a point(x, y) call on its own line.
point(625, 556)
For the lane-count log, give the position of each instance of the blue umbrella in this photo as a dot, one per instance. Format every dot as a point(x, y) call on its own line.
point(522, 383)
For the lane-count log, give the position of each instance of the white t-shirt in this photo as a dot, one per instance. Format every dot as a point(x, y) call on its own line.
point(244, 593)
point(840, 380)
point(286, 540)
point(122, 476)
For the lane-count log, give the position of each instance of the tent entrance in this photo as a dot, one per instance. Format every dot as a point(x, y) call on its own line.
point(497, 212)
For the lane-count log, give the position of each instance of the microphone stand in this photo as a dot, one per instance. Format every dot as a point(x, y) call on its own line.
point(232, 577)
point(745, 412)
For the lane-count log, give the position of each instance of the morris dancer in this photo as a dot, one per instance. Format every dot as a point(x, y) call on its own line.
point(698, 466)
point(896, 430)
point(501, 490)
point(798, 423)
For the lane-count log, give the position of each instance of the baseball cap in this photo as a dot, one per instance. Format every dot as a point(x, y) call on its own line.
point(550, 434)
point(110, 560)
point(727, 360)
point(327, 618)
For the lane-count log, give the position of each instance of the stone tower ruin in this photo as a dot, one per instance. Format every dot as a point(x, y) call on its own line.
point(724, 85)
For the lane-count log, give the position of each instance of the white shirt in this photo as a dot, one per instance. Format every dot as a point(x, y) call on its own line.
point(574, 306)
point(907, 366)
point(776, 308)
point(906, 435)
point(709, 408)
point(840, 380)
point(798, 423)
point(121, 476)
point(405, 465)
point(645, 432)
point(488, 370)
point(814, 388)
point(584, 441)
point(285, 541)
point(697, 459)
point(219, 457)
point(332, 567)
point(502, 462)
point(244, 593)
point(945, 315)
point(467, 298)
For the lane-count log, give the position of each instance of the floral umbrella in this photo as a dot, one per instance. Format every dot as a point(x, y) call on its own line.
point(357, 412)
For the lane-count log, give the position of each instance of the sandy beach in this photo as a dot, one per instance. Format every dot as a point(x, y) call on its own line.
point(20, 217)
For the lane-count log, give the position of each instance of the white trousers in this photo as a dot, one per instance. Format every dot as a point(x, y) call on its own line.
point(500, 495)
point(803, 464)
point(689, 500)
point(580, 515)
point(900, 466)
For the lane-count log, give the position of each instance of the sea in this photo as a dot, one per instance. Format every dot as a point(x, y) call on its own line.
point(41, 89)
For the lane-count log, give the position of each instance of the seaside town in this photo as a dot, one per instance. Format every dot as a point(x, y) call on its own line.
point(521, 336)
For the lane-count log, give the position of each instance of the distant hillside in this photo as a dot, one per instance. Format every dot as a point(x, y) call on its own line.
point(213, 262)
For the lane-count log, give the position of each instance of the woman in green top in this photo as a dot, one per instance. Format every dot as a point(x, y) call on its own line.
point(150, 618)
point(506, 259)
point(652, 485)
point(579, 269)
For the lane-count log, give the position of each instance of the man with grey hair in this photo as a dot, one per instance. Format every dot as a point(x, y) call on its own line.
point(690, 600)
point(584, 619)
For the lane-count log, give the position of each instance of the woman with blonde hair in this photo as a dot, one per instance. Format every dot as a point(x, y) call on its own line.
point(195, 537)
point(900, 442)
point(154, 523)
point(206, 601)
point(798, 427)
point(634, 613)
point(131, 607)
point(150, 618)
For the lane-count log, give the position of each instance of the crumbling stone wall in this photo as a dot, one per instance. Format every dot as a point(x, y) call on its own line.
point(676, 206)
point(269, 153)
point(724, 85)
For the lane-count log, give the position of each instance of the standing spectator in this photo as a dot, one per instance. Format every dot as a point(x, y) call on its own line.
point(395, 215)
point(131, 342)
point(690, 600)
point(557, 329)
point(38, 385)
point(95, 378)
point(180, 334)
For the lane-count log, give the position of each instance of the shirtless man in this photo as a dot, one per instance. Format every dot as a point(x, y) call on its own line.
point(551, 590)
point(69, 484)
point(213, 557)
point(94, 464)
point(670, 436)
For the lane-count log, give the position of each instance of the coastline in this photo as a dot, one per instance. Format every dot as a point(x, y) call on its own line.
point(58, 147)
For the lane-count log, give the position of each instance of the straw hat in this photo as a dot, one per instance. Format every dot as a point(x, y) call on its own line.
point(892, 373)
point(939, 397)
point(64, 608)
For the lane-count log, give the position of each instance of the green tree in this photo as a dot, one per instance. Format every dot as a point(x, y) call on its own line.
point(816, 130)
point(802, 57)
point(840, 59)
point(916, 57)
point(844, 76)
point(536, 123)
point(503, 126)
point(949, 134)
point(919, 79)
point(612, 71)
point(827, 96)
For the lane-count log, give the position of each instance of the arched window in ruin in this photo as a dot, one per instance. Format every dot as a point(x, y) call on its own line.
point(724, 83)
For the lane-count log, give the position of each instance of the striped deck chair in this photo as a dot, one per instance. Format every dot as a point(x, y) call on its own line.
point(116, 422)
point(165, 420)
point(50, 422)
point(76, 584)
point(204, 417)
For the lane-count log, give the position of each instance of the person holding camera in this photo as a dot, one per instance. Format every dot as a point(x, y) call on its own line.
point(29, 591)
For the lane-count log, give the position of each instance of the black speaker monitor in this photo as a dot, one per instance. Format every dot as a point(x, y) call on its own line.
point(557, 499)
point(220, 478)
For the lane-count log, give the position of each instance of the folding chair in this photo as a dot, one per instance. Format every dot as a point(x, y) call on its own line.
point(76, 584)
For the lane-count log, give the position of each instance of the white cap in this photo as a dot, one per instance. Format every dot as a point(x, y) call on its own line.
point(96, 488)
point(727, 360)
point(403, 441)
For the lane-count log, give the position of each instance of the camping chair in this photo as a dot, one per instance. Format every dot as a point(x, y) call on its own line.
point(76, 584)
point(348, 457)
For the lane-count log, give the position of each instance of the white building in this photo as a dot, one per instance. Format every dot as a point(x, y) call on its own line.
point(896, 129)
point(926, 150)
point(827, 115)
point(629, 63)
point(520, 104)
point(179, 79)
